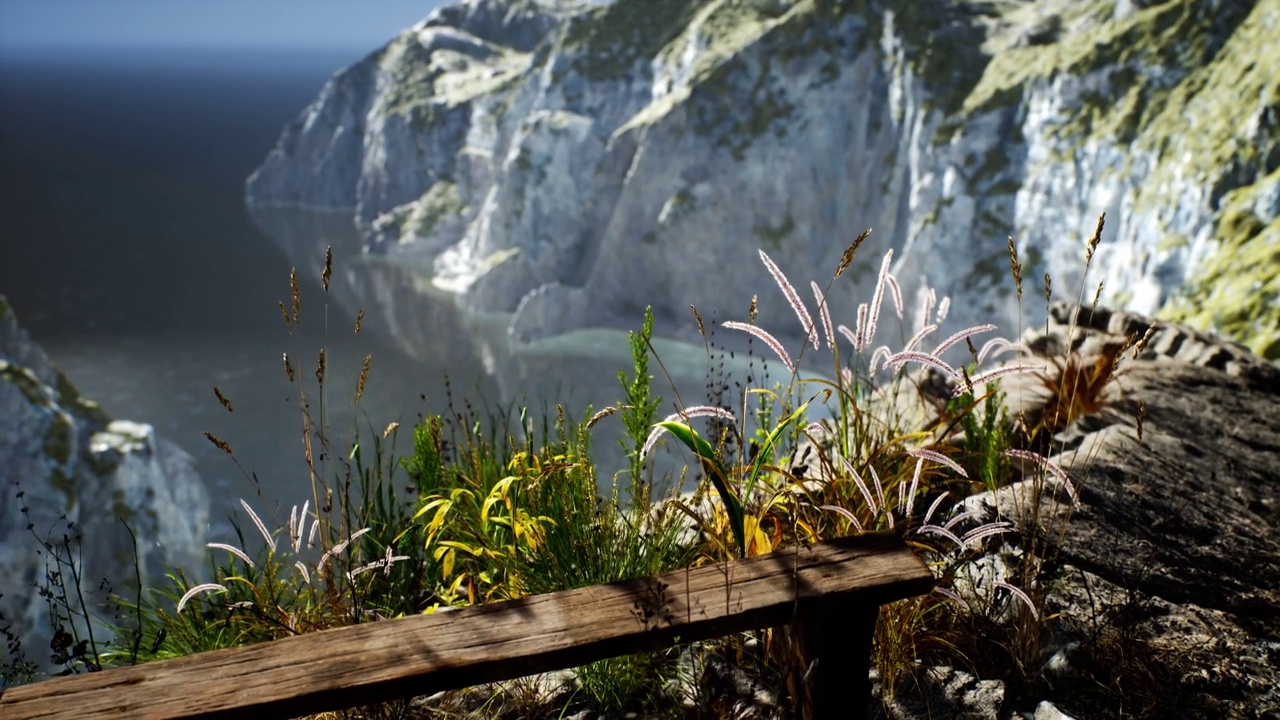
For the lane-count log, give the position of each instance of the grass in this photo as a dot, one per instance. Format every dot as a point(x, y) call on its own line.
point(502, 504)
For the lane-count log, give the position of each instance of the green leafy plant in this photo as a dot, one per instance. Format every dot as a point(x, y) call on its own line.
point(638, 408)
point(501, 518)
point(723, 478)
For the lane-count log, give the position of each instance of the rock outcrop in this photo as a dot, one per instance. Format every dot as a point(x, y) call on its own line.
point(601, 157)
point(1166, 578)
point(63, 460)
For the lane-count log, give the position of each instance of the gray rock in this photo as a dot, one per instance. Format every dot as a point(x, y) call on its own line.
point(1048, 711)
point(1172, 557)
point(947, 692)
point(62, 460)
point(1193, 499)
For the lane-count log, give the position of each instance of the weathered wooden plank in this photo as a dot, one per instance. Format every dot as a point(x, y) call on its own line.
point(419, 655)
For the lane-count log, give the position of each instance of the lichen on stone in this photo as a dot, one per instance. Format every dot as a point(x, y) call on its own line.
point(941, 45)
point(1236, 292)
point(610, 40)
point(418, 219)
point(27, 383)
point(59, 438)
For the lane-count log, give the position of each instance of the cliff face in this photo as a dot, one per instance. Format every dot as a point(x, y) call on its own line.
point(567, 161)
point(62, 459)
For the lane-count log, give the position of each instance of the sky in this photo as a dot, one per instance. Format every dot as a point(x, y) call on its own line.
point(282, 24)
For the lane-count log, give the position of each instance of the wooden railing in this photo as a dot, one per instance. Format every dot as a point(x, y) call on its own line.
point(828, 593)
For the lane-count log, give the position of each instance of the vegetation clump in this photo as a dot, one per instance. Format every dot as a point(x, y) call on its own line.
point(484, 509)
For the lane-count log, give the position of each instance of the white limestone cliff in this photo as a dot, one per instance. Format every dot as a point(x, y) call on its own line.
point(64, 463)
point(571, 162)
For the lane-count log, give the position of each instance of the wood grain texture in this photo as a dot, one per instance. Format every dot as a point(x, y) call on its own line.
point(419, 655)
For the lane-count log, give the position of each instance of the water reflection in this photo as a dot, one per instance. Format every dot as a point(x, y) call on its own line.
point(578, 369)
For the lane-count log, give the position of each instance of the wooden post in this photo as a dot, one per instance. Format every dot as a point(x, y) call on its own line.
point(834, 654)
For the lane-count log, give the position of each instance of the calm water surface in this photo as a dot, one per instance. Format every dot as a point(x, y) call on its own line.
point(129, 255)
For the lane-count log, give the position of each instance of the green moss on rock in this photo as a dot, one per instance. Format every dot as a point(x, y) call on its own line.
point(610, 40)
point(1237, 291)
point(943, 46)
point(1133, 50)
point(26, 382)
point(60, 439)
point(442, 200)
point(1202, 130)
point(419, 218)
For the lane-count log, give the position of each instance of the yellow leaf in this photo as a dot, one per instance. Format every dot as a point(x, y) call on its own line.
point(497, 494)
point(447, 566)
point(426, 508)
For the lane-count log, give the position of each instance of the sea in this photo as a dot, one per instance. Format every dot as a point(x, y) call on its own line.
point(128, 254)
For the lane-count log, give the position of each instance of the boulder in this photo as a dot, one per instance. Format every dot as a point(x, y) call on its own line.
point(1163, 581)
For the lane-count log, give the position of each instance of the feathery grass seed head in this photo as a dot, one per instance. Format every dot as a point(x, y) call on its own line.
point(846, 259)
point(768, 340)
point(231, 549)
point(262, 528)
point(853, 519)
point(296, 293)
point(921, 359)
point(328, 267)
point(824, 313)
point(793, 299)
point(926, 298)
point(203, 587)
point(965, 334)
point(1093, 241)
point(873, 316)
point(860, 329)
point(364, 375)
point(222, 399)
point(935, 456)
point(219, 443)
point(881, 354)
point(1021, 595)
point(895, 291)
point(684, 416)
point(1016, 267)
point(604, 413)
point(989, 375)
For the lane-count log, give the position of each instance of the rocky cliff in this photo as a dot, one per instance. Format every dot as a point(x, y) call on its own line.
point(566, 161)
point(62, 459)
point(1165, 590)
